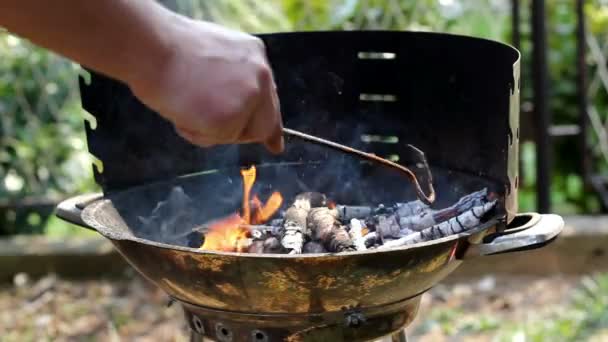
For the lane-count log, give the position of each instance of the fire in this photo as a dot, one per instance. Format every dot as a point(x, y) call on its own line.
point(265, 212)
point(231, 234)
point(227, 235)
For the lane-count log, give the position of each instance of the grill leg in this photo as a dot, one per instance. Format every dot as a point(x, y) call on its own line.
point(399, 336)
point(194, 337)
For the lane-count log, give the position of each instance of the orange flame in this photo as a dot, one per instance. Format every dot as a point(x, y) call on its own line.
point(266, 211)
point(231, 233)
point(248, 180)
point(227, 235)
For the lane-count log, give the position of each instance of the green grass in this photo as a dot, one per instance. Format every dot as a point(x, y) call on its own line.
point(584, 318)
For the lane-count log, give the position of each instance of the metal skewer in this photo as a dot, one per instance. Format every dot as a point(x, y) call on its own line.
point(421, 195)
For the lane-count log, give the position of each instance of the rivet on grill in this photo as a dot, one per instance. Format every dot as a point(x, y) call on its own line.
point(354, 318)
point(222, 333)
point(259, 336)
point(198, 325)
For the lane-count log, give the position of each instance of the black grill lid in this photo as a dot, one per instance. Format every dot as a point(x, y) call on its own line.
point(456, 98)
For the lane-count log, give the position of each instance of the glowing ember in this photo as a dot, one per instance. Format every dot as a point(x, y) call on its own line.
point(331, 205)
point(231, 234)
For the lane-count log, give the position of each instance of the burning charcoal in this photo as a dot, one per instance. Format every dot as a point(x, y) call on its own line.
point(257, 234)
point(427, 217)
point(471, 200)
point(461, 223)
point(276, 222)
point(370, 239)
point(418, 222)
point(411, 208)
point(325, 228)
point(464, 204)
point(268, 245)
point(259, 231)
point(295, 227)
point(313, 247)
point(293, 237)
point(356, 234)
point(273, 245)
point(348, 212)
point(257, 247)
point(388, 227)
point(194, 239)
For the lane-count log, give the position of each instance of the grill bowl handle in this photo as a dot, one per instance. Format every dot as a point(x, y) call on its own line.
point(71, 209)
point(527, 231)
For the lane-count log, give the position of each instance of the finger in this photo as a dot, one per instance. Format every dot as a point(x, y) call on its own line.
point(266, 127)
point(264, 124)
point(276, 143)
point(195, 139)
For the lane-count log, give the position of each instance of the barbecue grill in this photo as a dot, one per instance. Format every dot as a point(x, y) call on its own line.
point(456, 98)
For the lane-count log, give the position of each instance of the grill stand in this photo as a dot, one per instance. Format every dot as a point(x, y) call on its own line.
point(399, 336)
point(384, 323)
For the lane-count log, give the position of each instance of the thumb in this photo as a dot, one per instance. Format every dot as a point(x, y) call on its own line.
point(276, 143)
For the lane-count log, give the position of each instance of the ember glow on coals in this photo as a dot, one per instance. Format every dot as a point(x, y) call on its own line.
point(232, 234)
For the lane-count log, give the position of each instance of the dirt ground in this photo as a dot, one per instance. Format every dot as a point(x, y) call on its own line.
point(52, 309)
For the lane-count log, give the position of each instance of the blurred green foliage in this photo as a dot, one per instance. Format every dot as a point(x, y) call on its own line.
point(43, 150)
point(582, 318)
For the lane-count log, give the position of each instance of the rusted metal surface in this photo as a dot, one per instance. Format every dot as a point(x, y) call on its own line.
point(271, 283)
point(346, 324)
point(290, 284)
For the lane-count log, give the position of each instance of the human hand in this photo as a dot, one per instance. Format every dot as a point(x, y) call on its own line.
point(215, 85)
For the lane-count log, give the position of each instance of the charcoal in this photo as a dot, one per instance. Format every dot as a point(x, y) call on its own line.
point(417, 222)
point(313, 247)
point(311, 225)
point(388, 227)
point(273, 245)
point(464, 204)
point(293, 237)
point(194, 239)
point(325, 228)
point(269, 245)
point(348, 212)
point(411, 208)
point(426, 217)
point(370, 239)
point(356, 234)
point(456, 225)
point(295, 225)
point(256, 247)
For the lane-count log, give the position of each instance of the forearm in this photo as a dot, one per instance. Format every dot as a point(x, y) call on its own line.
point(124, 39)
